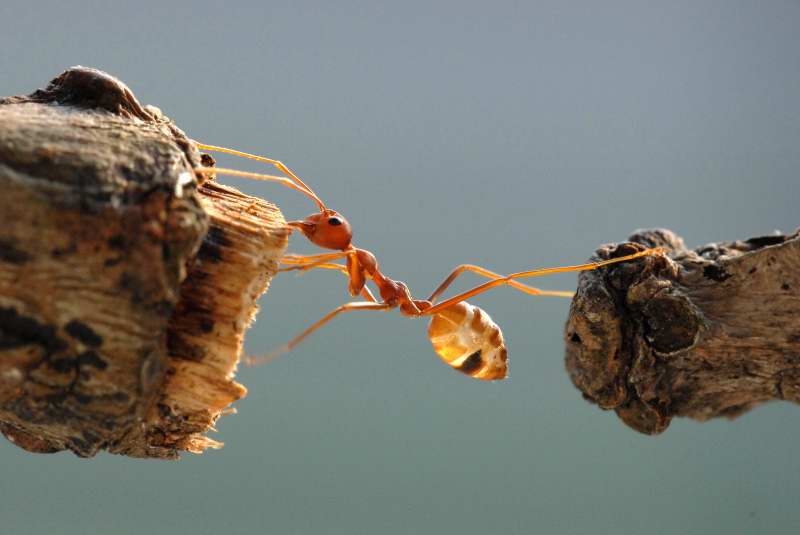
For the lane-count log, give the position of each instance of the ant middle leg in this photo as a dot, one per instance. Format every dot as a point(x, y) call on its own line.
point(320, 265)
point(365, 292)
point(306, 262)
point(301, 260)
point(354, 270)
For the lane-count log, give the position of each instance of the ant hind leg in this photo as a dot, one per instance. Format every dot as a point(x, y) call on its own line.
point(285, 348)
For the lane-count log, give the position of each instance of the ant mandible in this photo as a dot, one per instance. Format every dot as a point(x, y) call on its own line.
point(463, 335)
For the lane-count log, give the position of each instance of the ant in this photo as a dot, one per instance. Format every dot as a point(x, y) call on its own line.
point(463, 335)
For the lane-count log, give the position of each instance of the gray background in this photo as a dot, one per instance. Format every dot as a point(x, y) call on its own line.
point(513, 135)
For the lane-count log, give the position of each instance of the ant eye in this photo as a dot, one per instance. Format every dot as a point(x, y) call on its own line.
point(335, 221)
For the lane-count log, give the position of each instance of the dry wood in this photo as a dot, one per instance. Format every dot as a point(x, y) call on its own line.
point(705, 333)
point(125, 290)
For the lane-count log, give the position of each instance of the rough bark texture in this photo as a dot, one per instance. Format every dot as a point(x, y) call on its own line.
point(125, 289)
point(704, 333)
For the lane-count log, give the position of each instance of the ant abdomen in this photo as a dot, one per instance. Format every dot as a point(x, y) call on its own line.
point(466, 338)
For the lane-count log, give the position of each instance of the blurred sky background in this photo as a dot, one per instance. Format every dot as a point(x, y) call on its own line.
point(509, 134)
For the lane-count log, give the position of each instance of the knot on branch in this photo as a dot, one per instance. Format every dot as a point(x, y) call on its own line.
point(87, 88)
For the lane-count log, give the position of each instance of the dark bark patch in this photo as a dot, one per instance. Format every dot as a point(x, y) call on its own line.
point(17, 330)
point(117, 242)
point(11, 254)
point(716, 273)
point(133, 285)
point(70, 249)
point(180, 348)
point(83, 333)
point(91, 358)
point(765, 241)
point(671, 324)
point(198, 315)
point(206, 325)
point(81, 447)
point(81, 398)
point(207, 160)
point(65, 365)
point(214, 242)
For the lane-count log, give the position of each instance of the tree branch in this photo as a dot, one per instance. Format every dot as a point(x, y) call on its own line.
point(125, 289)
point(705, 333)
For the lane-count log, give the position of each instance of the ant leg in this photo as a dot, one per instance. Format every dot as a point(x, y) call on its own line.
point(354, 271)
point(365, 292)
point(530, 290)
point(297, 259)
point(302, 263)
point(322, 265)
point(356, 305)
point(258, 176)
point(534, 273)
point(276, 163)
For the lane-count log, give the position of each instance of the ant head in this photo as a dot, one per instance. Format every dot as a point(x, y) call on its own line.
point(326, 229)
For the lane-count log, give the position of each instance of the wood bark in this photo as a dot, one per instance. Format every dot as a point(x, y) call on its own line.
point(703, 333)
point(125, 287)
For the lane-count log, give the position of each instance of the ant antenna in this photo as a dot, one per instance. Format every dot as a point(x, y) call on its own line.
point(258, 176)
point(293, 181)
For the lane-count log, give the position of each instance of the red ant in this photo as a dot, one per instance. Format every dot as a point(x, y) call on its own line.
point(463, 335)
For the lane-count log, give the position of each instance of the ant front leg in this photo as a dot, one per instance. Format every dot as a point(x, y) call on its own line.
point(530, 290)
point(508, 279)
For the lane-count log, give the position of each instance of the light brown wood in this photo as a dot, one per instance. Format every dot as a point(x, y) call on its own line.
point(125, 289)
point(233, 268)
